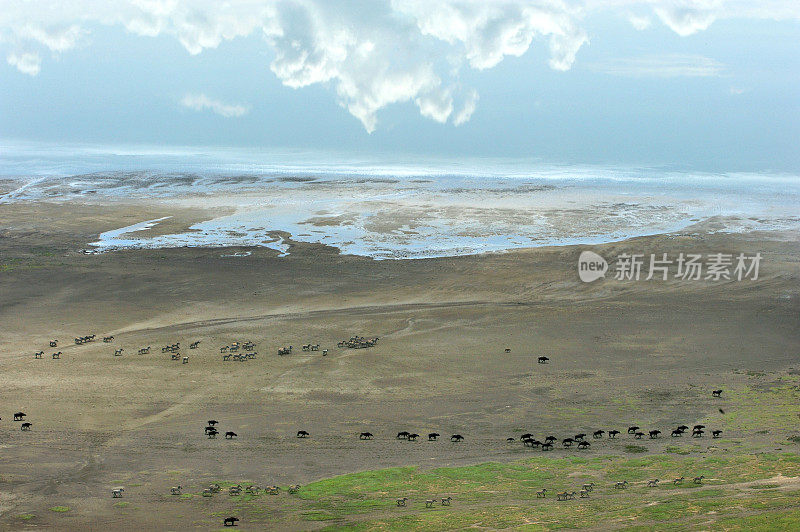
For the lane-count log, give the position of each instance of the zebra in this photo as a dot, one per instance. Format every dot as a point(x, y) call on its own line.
point(401, 501)
point(446, 501)
point(175, 490)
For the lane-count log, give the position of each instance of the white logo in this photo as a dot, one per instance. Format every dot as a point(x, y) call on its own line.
point(591, 266)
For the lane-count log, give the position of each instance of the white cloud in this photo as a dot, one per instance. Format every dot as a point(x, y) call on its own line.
point(201, 102)
point(375, 53)
point(639, 22)
point(661, 66)
point(27, 62)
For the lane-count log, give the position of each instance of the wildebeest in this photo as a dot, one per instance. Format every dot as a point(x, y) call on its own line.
point(677, 433)
point(230, 521)
point(510, 440)
point(598, 434)
point(230, 435)
point(118, 352)
point(38, 354)
point(212, 434)
point(302, 434)
point(456, 438)
point(678, 480)
point(567, 442)
point(716, 393)
point(613, 434)
point(294, 488)
point(402, 435)
point(583, 444)
point(716, 433)
point(53, 343)
point(543, 360)
point(638, 435)
point(57, 356)
point(652, 483)
point(633, 429)
point(401, 501)
point(19, 416)
point(185, 360)
point(547, 446)
point(106, 339)
point(194, 345)
point(25, 426)
point(654, 434)
point(365, 436)
point(697, 433)
point(698, 480)
point(212, 422)
point(433, 436)
point(413, 437)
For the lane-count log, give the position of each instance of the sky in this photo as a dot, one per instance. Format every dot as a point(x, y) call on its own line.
point(712, 85)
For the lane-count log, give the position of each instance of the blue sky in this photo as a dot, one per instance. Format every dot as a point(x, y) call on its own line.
point(705, 84)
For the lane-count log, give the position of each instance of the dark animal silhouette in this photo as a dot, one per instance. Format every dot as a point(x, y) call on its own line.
point(580, 436)
point(697, 433)
point(456, 438)
point(550, 439)
point(547, 446)
point(212, 422)
point(613, 434)
point(302, 434)
point(365, 436)
point(654, 434)
point(638, 435)
point(209, 429)
point(583, 444)
point(25, 426)
point(433, 436)
point(716, 433)
point(632, 430)
point(699, 427)
point(402, 435)
point(19, 416)
point(510, 439)
point(598, 434)
point(567, 442)
point(716, 393)
point(413, 437)
point(543, 360)
point(212, 434)
point(230, 521)
point(677, 433)
point(230, 435)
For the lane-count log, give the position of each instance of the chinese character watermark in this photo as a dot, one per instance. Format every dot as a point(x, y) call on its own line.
point(662, 266)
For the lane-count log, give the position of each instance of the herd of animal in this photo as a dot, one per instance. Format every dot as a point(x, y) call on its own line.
point(20, 416)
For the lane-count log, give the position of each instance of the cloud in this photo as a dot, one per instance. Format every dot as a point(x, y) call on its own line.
point(28, 62)
point(661, 66)
point(201, 102)
point(373, 54)
point(639, 22)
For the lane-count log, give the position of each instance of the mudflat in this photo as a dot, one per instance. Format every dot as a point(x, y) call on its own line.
point(621, 353)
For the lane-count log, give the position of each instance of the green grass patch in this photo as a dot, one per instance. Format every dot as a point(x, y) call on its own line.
point(60, 509)
point(26, 517)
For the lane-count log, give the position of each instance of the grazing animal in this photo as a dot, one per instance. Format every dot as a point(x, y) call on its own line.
point(207, 492)
point(456, 438)
point(654, 434)
point(632, 430)
point(697, 433)
point(580, 436)
point(212, 422)
point(403, 435)
point(302, 434)
point(621, 485)
point(185, 360)
point(584, 494)
point(446, 501)
point(613, 434)
point(700, 427)
point(116, 493)
point(230, 521)
point(57, 356)
point(230, 435)
point(550, 439)
point(584, 445)
point(226, 357)
point(716, 433)
point(507, 350)
point(433, 436)
point(588, 487)
point(401, 501)
point(413, 437)
point(324, 352)
point(547, 446)
point(652, 483)
point(106, 339)
point(212, 434)
point(175, 490)
point(194, 345)
point(365, 436)
point(638, 435)
point(716, 393)
point(561, 496)
point(677, 433)
point(294, 488)
point(683, 428)
point(698, 480)
point(567, 442)
point(19, 416)
point(53, 343)
point(235, 490)
point(38, 354)
point(678, 480)
point(429, 503)
point(541, 494)
point(598, 434)
point(118, 352)
point(543, 360)
point(526, 435)
point(25, 426)
point(509, 440)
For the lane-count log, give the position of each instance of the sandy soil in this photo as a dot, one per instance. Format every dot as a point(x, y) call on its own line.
point(621, 353)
